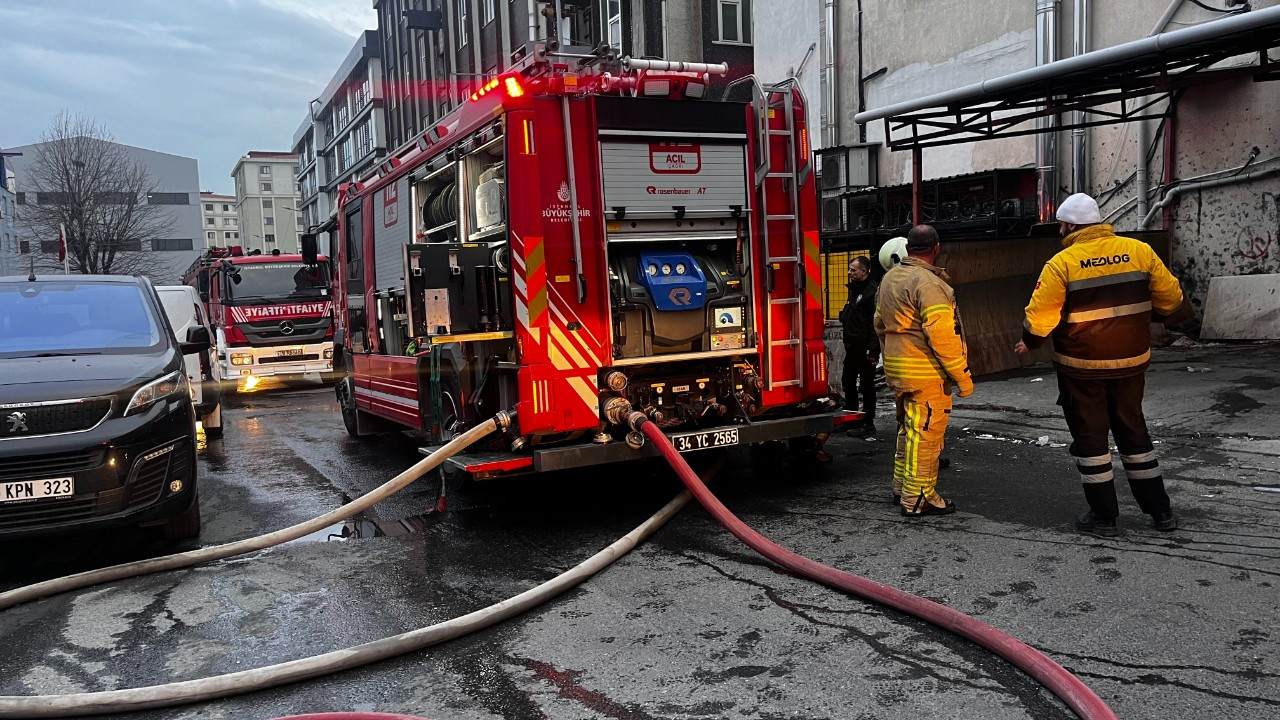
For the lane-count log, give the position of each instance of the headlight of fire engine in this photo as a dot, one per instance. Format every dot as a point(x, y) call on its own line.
point(241, 359)
point(680, 268)
point(652, 269)
point(175, 383)
point(328, 353)
point(666, 269)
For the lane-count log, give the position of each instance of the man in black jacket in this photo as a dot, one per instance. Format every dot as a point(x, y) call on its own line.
point(861, 347)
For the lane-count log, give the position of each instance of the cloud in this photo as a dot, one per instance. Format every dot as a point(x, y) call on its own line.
point(209, 79)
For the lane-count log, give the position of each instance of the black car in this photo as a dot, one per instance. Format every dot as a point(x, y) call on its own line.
point(97, 427)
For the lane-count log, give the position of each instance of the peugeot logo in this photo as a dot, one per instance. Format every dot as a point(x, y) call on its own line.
point(286, 327)
point(17, 422)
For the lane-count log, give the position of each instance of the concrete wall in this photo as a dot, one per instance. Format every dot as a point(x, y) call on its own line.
point(784, 32)
point(169, 174)
point(928, 46)
point(8, 206)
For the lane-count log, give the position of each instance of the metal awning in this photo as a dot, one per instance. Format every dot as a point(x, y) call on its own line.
point(1111, 85)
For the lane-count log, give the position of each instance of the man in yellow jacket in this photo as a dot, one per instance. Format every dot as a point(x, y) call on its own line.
point(1097, 298)
point(924, 354)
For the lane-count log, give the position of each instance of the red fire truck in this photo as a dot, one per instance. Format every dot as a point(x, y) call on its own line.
point(581, 239)
point(272, 314)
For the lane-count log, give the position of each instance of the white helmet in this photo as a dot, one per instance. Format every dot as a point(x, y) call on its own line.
point(893, 252)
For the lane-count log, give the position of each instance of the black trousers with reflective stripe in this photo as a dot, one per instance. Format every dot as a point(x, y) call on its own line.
point(859, 377)
point(1096, 408)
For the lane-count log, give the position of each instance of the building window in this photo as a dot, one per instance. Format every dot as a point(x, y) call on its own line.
point(264, 169)
point(615, 23)
point(171, 244)
point(159, 198)
point(22, 198)
point(264, 187)
point(125, 246)
point(269, 237)
point(235, 236)
point(208, 221)
point(49, 246)
point(24, 247)
point(266, 203)
point(268, 220)
point(488, 12)
point(228, 222)
point(212, 235)
point(226, 207)
point(208, 207)
point(462, 22)
point(735, 21)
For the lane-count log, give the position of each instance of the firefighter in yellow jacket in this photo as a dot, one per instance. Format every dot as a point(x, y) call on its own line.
point(924, 355)
point(1097, 298)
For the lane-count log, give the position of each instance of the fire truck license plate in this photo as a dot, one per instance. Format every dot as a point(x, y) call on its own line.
point(288, 352)
point(688, 442)
point(33, 489)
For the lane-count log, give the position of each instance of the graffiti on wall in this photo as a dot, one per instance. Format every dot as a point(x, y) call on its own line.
point(1254, 243)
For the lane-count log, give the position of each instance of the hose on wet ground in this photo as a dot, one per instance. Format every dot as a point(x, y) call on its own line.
point(1053, 676)
point(48, 588)
point(245, 681)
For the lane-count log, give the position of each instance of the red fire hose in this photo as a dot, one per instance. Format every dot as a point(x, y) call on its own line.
point(1066, 686)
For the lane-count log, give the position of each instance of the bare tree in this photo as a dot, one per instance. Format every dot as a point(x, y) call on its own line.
point(87, 183)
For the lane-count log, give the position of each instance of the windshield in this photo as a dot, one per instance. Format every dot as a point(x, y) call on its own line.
point(278, 282)
point(71, 318)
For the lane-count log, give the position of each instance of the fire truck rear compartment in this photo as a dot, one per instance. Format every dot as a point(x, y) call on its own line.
point(677, 297)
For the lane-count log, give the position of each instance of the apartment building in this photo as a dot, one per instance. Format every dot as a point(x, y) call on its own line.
point(344, 133)
point(435, 53)
point(220, 219)
point(267, 194)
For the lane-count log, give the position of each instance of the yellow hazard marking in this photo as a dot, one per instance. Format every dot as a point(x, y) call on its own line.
point(470, 337)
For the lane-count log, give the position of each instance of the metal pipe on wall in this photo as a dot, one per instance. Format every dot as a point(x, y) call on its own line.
point(1079, 138)
point(1047, 138)
point(830, 94)
point(1142, 182)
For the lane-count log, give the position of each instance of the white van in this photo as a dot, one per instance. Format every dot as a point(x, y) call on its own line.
point(182, 305)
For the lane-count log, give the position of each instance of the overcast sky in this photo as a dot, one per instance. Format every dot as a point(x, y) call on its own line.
point(209, 79)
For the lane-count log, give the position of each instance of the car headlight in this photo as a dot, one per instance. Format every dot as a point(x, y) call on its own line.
point(175, 383)
point(328, 353)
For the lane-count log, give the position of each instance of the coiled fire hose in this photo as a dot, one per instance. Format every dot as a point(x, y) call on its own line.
point(1053, 676)
point(245, 681)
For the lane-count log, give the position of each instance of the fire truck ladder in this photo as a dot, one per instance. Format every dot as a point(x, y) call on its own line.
point(775, 113)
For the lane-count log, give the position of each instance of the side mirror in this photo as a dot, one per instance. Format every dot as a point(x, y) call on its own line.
point(204, 296)
point(197, 340)
point(310, 249)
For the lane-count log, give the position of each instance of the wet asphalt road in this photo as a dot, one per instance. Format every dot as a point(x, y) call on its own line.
point(691, 624)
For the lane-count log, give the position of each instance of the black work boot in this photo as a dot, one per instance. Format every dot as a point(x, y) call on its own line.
point(1094, 525)
point(1164, 521)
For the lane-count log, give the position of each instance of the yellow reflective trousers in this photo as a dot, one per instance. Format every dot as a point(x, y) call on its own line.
point(923, 414)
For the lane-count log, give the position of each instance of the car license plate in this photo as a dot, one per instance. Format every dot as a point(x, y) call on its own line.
point(688, 442)
point(36, 489)
point(289, 352)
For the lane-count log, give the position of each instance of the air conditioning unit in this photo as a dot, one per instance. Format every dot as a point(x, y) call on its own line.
point(833, 214)
point(849, 167)
point(834, 175)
